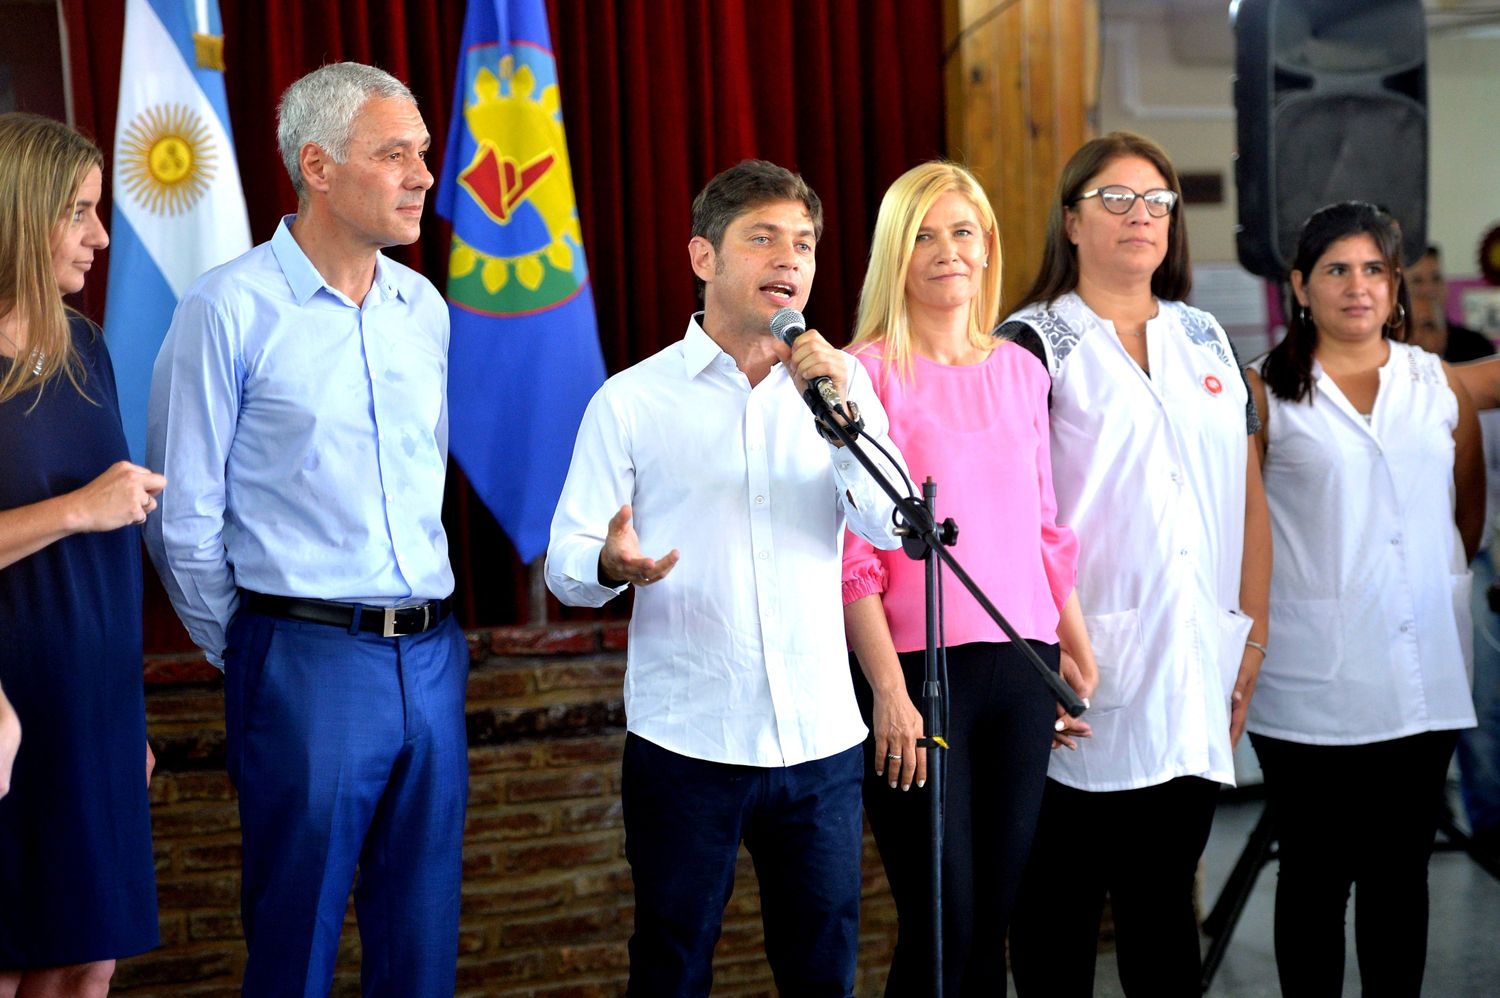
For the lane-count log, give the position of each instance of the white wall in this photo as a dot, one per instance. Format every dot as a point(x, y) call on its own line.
point(1463, 90)
point(1187, 107)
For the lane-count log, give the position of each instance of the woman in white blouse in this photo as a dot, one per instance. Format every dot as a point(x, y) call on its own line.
point(1374, 476)
point(1153, 471)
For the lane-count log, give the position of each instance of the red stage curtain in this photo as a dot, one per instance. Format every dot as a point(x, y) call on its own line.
point(657, 97)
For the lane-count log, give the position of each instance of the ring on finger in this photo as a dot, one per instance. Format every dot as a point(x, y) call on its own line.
point(893, 755)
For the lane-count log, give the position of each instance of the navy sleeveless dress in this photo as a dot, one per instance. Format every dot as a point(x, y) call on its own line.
point(77, 880)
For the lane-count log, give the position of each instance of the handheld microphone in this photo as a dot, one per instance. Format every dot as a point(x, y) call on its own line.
point(788, 324)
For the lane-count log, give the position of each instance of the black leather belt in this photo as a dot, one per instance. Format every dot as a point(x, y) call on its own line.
point(387, 621)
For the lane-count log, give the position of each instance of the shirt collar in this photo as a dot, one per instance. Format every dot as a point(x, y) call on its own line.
point(303, 277)
point(698, 348)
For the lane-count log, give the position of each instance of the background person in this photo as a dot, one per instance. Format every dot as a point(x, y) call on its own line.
point(77, 877)
point(741, 715)
point(1153, 471)
point(971, 411)
point(299, 404)
point(1373, 475)
point(1430, 328)
point(1478, 747)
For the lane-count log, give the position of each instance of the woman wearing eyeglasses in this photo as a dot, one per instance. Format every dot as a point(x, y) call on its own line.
point(1152, 467)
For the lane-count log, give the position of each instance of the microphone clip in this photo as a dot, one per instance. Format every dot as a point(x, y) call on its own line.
point(823, 416)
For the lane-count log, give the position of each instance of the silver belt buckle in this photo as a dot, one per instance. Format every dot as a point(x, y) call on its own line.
point(388, 620)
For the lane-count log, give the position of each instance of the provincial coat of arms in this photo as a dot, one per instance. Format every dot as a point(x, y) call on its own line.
point(517, 247)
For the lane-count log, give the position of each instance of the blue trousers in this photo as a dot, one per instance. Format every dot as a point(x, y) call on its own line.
point(684, 821)
point(350, 755)
point(1479, 748)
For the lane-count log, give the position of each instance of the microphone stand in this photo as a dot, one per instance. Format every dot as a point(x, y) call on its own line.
point(926, 540)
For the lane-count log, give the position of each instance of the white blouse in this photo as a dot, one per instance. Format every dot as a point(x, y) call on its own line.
point(1370, 620)
point(1150, 473)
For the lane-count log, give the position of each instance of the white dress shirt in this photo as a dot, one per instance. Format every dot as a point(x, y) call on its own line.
point(1150, 474)
point(1369, 594)
point(738, 654)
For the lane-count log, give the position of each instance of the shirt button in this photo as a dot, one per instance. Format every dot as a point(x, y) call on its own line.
point(1183, 552)
point(764, 555)
point(389, 497)
point(843, 465)
point(760, 500)
point(1396, 539)
point(380, 437)
point(1176, 476)
point(1406, 627)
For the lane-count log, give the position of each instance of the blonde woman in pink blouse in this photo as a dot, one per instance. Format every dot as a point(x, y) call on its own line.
point(971, 411)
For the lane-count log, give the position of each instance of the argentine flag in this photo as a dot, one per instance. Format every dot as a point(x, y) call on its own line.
point(178, 205)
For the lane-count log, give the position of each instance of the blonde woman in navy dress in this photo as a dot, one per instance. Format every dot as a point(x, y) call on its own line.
point(77, 880)
point(1375, 478)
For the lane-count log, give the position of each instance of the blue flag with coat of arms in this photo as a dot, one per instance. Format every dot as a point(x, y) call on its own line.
point(524, 356)
point(179, 208)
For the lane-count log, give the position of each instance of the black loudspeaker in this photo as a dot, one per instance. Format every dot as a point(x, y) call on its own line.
point(1331, 102)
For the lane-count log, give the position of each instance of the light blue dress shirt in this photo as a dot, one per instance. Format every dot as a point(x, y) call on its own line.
point(304, 439)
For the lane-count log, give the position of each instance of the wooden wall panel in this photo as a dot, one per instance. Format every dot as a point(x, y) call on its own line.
point(1022, 80)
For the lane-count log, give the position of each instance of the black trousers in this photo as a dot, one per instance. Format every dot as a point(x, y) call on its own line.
point(1361, 816)
point(1000, 732)
point(1142, 848)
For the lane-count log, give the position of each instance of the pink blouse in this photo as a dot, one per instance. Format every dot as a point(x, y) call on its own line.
point(981, 432)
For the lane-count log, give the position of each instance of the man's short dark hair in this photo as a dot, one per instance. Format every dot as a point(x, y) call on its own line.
point(749, 184)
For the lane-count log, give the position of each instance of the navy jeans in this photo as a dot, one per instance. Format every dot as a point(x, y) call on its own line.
point(1479, 748)
point(684, 821)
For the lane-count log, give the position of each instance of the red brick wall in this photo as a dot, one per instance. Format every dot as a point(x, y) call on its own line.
point(547, 895)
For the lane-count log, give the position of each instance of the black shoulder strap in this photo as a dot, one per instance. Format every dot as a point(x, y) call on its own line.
point(1022, 335)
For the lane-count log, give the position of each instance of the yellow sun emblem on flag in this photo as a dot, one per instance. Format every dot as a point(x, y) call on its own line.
point(521, 251)
point(167, 159)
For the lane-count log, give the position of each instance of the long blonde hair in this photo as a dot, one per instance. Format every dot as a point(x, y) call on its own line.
point(883, 316)
point(42, 164)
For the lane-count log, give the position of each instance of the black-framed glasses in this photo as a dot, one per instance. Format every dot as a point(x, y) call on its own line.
point(1119, 199)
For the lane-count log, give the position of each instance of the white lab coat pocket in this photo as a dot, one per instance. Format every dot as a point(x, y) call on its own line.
point(1116, 640)
point(1234, 631)
point(1463, 615)
point(1307, 639)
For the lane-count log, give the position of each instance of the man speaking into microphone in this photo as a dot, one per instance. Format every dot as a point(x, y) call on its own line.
point(698, 477)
